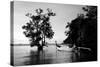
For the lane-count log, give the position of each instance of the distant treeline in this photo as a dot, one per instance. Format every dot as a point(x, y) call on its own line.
point(30, 44)
point(19, 44)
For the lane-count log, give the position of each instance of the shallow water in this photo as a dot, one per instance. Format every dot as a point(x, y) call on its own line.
point(26, 55)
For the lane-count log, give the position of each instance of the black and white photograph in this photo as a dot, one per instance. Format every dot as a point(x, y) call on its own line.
point(52, 33)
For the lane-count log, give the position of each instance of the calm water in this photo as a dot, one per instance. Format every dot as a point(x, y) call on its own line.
point(26, 55)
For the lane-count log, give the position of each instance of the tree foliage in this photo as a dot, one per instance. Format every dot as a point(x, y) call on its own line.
point(83, 29)
point(39, 28)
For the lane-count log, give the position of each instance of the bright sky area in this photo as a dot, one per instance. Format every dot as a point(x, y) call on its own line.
point(64, 13)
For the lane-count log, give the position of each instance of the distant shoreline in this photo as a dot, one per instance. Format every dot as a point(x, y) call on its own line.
point(29, 44)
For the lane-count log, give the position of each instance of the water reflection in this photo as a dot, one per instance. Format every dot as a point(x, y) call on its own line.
point(36, 57)
point(49, 56)
point(25, 55)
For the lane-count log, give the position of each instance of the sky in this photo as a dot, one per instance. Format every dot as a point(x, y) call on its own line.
point(64, 13)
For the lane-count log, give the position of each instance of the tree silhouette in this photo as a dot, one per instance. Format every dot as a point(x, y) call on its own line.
point(91, 33)
point(83, 29)
point(39, 28)
point(74, 30)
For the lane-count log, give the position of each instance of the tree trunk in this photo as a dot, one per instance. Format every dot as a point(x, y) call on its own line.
point(40, 47)
point(44, 40)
